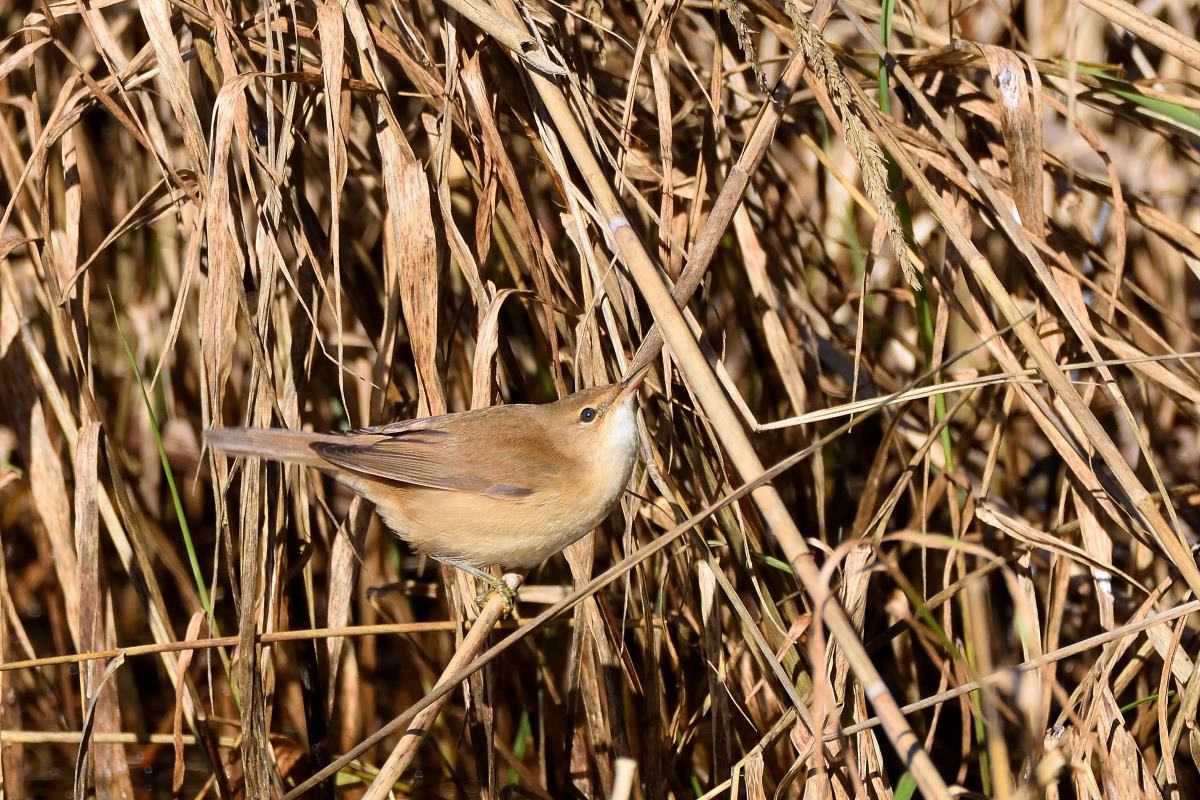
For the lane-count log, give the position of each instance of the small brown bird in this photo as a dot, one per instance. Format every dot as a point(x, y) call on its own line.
point(504, 486)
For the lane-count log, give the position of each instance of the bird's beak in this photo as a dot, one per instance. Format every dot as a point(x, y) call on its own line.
point(630, 385)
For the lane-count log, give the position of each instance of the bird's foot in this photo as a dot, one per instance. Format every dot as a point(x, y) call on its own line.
point(498, 586)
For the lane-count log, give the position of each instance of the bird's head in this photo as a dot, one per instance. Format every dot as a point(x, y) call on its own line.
point(596, 414)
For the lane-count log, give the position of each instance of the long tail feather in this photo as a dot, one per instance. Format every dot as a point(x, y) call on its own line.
point(277, 444)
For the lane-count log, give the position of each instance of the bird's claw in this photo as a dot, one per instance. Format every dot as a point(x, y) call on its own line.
point(499, 587)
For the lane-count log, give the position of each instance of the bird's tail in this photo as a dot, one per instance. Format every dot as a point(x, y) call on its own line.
point(277, 444)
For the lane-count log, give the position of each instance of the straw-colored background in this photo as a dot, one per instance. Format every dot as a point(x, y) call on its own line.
point(327, 215)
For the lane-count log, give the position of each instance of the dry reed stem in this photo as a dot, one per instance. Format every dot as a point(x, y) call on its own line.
point(404, 751)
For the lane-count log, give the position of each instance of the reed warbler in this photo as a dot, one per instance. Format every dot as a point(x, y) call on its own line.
point(505, 486)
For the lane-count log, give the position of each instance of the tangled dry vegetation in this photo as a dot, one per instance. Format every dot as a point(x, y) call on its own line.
point(953, 294)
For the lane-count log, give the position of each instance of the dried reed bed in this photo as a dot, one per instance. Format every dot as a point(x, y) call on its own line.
point(959, 316)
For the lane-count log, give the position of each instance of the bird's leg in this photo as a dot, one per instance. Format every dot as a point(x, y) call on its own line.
point(495, 585)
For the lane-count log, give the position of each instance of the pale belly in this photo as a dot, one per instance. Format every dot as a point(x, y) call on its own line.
point(485, 531)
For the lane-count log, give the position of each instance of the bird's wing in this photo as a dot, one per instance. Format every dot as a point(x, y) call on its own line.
point(421, 453)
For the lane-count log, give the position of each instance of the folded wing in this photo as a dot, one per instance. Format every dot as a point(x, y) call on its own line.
point(422, 454)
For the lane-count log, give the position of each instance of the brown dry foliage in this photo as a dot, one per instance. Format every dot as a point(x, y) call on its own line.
point(328, 215)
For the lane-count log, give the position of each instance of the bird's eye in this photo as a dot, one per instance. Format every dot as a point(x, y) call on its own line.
point(587, 415)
